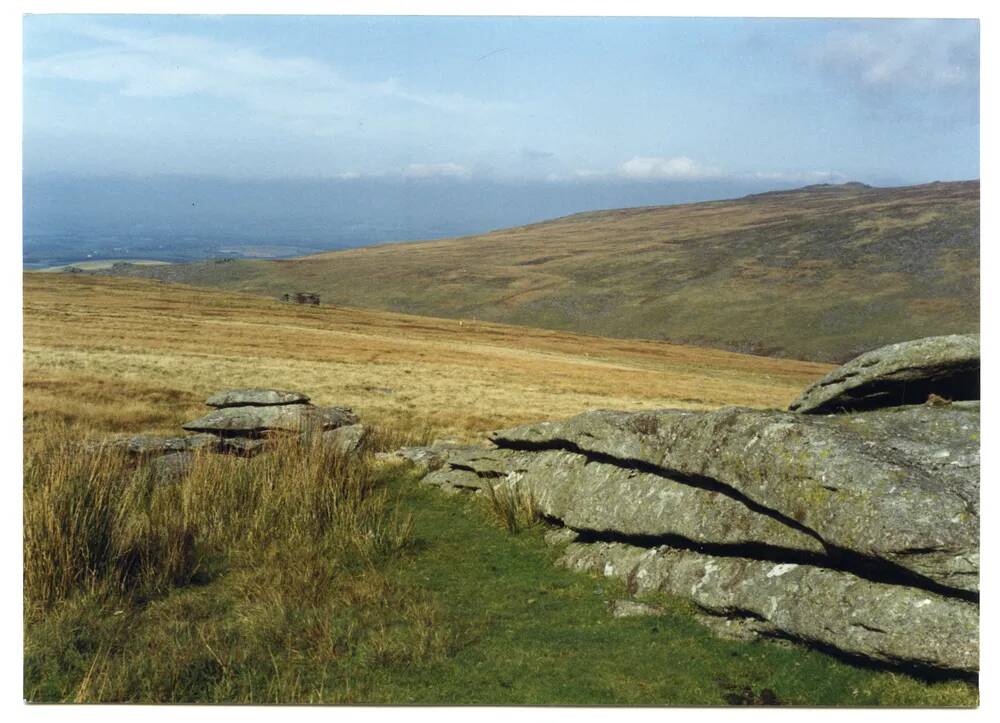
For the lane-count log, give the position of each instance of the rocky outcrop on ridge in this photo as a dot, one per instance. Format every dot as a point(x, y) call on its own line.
point(856, 532)
point(898, 487)
point(904, 373)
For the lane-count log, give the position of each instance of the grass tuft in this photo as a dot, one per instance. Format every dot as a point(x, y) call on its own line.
point(93, 520)
point(512, 508)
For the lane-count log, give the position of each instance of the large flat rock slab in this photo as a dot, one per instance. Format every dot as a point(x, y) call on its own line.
point(592, 496)
point(254, 397)
point(898, 487)
point(892, 624)
point(904, 373)
point(243, 421)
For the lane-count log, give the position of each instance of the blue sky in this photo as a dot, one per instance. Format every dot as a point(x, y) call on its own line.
point(562, 100)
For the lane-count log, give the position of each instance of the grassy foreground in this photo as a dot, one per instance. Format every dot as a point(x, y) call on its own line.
point(302, 577)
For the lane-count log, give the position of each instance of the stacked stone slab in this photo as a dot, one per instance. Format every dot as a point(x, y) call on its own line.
point(250, 413)
point(243, 422)
point(855, 531)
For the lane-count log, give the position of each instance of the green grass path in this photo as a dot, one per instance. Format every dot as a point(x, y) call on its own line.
point(532, 633)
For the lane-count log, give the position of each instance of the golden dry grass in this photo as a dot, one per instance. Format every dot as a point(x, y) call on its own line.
point(123, 355)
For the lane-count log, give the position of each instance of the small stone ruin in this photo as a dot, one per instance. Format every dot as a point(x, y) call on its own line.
point(301, 297)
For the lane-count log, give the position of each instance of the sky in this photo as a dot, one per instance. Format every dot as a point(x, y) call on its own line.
point(529, 101)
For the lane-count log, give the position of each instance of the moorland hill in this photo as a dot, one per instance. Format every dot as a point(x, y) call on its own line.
point(823, 272)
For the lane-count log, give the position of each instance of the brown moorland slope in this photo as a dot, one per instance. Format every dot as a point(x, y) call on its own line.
point(123, 355)
point(821, 273)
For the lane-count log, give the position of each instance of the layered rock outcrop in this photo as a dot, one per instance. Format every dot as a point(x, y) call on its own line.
point(903, 373)
point(254, 397)
point(252, 419)
point(857, 532)
point(245, 422)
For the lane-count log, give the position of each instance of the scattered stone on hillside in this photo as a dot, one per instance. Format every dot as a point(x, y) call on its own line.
point(633, 609)
point(905, 373)
point(250, 420)
point(472, 467)
point(896, 488)
point(346, 440)
point(254, 398)
point(152, 444)
point(743, 629)
point(430, 457)
point(172, 467)
point(888, 623)
point(560, 536)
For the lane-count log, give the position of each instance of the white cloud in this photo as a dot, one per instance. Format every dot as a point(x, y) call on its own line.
point(435, 170)
point(923, 55)
point(145, 65)
point(651, 167)
point(684, 168)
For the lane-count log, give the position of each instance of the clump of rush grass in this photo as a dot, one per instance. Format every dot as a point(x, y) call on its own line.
point(92, 521)
point(301, 494)
point(248, 577)
point(389, 437)
point(511, 507)
point(95, 519)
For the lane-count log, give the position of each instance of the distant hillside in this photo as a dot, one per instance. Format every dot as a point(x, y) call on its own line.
point(819, 273)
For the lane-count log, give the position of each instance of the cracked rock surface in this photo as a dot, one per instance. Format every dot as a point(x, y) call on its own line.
point(887, 623)
point(898, 486)
point(856, 532)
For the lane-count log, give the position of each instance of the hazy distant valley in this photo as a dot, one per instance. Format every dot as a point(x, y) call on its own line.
point(174, 218)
